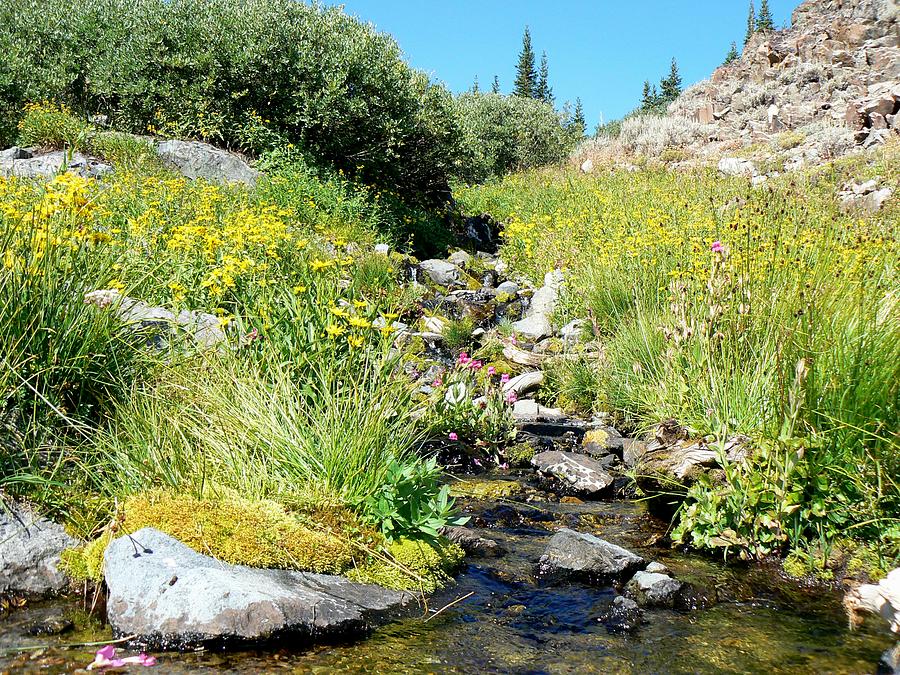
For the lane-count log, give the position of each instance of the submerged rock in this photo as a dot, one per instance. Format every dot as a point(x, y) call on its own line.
point(170, 597)
point(653, 589)
point(194, 159)
point(623, 616)
point(583, 474)
point(30, 546)
point(584, 556)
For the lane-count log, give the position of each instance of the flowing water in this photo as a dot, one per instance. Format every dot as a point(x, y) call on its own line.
point(512, 624)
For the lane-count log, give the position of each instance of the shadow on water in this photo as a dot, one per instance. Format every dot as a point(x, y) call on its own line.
point(513, 624)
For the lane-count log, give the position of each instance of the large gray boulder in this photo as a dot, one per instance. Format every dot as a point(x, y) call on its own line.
point(171, 597)
point(29, 551)
point(579, 472)
point(582, 555)
point(22, 164)
point(194, 159)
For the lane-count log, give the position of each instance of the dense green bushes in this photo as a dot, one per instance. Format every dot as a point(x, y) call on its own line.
point(508, 133)
point(246, 74)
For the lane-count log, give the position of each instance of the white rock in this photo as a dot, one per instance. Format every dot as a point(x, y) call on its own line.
point(383, 249)
point(524, 382)
point(734, 166)
point(587, 166)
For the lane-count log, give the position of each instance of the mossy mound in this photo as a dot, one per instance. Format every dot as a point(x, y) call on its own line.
point(486, 489)
point(412, 566)
point(520, 454)
point(262, 533)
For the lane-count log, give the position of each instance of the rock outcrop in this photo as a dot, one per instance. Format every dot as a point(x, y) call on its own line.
point(579, 555)
point(832, 79)
point(194, 159)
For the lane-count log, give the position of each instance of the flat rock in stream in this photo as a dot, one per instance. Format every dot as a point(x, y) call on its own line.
point(472, 543)
point(29, 551)
point(172, 597)
point(582, 474)
point(584, 556)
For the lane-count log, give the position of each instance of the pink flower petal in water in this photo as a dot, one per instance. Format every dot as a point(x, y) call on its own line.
point(106, 658)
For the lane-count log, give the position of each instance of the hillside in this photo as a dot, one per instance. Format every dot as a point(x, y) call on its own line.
point(833, 78)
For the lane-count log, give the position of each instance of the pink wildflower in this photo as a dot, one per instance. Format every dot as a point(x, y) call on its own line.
point(491, 370)
point(476, 462)
point(504, 378)
point(512, 397)
point(437, 382)
point(475, 365)
point(718, 247)
point(453, 436)
point(106, 658)
point(463, 358)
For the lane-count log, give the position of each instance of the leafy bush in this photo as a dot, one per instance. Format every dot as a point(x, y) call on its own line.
point(508, 133)
point(246, 74)
point(53, 126)
point(412, 502)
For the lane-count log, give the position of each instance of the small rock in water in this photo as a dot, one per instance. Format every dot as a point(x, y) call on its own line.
point(652, 589)
point(582, 474)
point(30, 548)
point(584, 556)
point(472, 543)
point(528, 409)
point(508, 287)
point(51, 625)
point(441, 272)
point(656, 568)
point(623, 616)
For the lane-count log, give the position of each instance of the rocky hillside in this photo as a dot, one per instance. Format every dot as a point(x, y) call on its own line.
point(826, 85)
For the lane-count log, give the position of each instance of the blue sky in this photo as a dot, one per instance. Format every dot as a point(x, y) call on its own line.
point(600, 50)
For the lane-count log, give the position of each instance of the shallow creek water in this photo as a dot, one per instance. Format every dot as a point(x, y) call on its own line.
point(513, 624)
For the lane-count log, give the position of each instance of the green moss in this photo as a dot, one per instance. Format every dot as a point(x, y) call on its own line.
point(486, 489)
point(598, 437)
point(520, 454)
point(412, 565)
point(257, 533)
point(85, 563)
point(503, 297)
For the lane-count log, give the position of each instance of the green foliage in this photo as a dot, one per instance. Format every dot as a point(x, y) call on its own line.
point(526, 75)
point(670, 86)
point(572, 384)
point(508, 133)
point(458, 334)
point(53, 126)
point(751, 24)
point(412, 502)
point(303, 74)
point(578, 125)
point(543, 91)
point(732, 55)
point(453, 409)
point(764, 21)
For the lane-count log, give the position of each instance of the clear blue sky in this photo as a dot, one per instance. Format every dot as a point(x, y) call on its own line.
point(600, 50)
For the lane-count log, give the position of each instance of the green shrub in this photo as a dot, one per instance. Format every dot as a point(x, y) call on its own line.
point(458, 333)
point(53, 126)
point(508, 133)
point(244, 73)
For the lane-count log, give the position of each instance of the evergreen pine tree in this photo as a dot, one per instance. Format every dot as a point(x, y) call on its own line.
point(579, 124)
point(475, 88)
point(647, 98)
point(495, 87)
point(751, 24)
point(732, 55)
point(671, 85)
point(526, 77)
point(764, 21)
point(543, 91)
point(655, 98)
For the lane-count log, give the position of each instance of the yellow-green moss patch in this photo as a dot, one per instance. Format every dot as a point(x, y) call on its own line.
point(486, 489)
point(412, 566)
